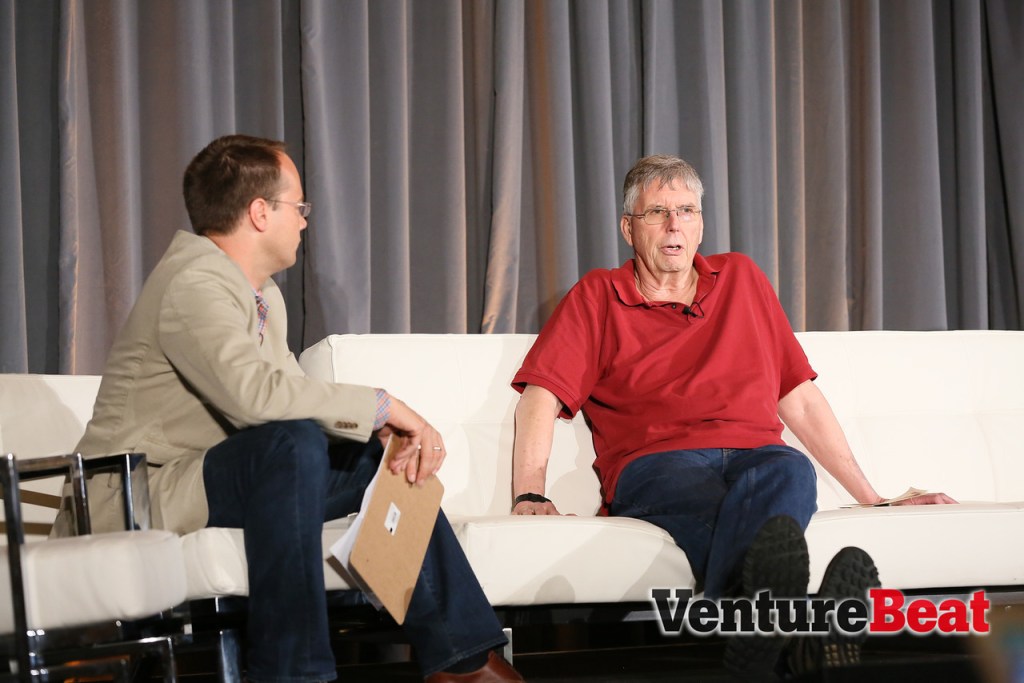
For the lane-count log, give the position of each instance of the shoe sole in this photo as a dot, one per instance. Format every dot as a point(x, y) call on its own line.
point(776, 561)
point(850, 574)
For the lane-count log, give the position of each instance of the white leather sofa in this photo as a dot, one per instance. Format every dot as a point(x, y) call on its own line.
point(942, 411)
point(86, 604)
point(114, 576)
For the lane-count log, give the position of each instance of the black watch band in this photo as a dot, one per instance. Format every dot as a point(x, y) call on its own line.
point(530, 498)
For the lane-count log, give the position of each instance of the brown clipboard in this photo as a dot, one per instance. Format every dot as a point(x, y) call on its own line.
point(389, 547)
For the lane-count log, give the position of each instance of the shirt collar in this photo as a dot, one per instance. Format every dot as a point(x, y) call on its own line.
point(624, 281)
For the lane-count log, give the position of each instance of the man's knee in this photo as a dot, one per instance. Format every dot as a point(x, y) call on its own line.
point(801, 468)
point(300, 441)
point(268, 462)
point(793, 473)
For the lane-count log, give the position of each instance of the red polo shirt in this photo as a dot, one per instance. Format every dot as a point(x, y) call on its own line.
point(651, 377)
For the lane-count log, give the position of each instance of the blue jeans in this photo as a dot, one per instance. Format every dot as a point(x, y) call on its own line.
point(279, 482)
point(713, 501)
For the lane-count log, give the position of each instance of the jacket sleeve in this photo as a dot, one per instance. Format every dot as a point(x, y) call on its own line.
point(206, 331)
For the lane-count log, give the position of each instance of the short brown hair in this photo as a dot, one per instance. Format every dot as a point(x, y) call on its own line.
point(226, 176)
point(664, 169)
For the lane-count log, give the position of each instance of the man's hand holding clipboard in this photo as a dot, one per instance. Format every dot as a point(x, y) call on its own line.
point(384, 547)
point(420, 451)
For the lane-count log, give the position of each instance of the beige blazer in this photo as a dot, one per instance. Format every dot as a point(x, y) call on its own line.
point(188, 369)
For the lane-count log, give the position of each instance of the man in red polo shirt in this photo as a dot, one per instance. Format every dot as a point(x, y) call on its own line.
point(683, 365)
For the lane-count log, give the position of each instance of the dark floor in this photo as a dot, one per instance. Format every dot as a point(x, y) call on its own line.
point(698, 663)
point(900, 659)
point(596, 650)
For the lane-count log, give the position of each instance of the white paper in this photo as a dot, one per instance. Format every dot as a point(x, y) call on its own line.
point(342, 548)
point(906, 495)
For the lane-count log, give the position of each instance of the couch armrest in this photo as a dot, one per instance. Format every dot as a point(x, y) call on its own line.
point(90, 644)
point(14, 471)
point(133, 469)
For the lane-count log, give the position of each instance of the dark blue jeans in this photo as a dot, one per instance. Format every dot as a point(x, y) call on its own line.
point(279, 482)
point(713, 501)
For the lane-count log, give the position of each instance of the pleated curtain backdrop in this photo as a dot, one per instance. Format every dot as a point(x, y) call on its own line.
point(465, 157)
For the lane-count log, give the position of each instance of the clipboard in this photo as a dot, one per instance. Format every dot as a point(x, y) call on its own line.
point(391, 538)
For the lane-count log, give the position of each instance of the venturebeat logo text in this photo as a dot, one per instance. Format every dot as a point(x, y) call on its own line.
point(886, 611)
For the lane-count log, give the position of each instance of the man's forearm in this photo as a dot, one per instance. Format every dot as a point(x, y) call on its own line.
point(807, 413)
point(535, 424)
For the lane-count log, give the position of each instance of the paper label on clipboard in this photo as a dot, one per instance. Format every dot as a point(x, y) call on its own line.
point(391, 518)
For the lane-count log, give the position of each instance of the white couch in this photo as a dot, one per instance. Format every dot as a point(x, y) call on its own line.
point(942, 411)
point(86, 589)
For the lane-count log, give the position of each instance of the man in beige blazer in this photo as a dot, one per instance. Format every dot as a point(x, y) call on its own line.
point(201, 380)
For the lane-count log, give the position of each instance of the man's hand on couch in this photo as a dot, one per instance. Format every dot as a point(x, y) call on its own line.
point(926, 499)
point(533, 504)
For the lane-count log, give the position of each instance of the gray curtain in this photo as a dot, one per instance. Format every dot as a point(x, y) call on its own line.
point(465, 157)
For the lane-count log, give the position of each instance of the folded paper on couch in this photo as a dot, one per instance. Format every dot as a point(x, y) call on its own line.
point(906, 495)
point(384, 547)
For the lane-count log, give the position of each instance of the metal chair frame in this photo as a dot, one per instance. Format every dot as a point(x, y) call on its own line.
point(120, 649)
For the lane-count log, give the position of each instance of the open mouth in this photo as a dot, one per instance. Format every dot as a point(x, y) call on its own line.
point(672, 249)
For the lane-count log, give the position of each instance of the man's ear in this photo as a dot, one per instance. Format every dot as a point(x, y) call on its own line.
point(626, 228)
point(258, 210)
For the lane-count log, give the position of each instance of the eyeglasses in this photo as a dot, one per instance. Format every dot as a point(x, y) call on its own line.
point(304, 208)
point(659, 214)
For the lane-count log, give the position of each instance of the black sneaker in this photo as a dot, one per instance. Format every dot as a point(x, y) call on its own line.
point(849, 575)
point(776, 561)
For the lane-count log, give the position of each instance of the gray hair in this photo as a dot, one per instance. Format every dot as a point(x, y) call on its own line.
point(664, 169)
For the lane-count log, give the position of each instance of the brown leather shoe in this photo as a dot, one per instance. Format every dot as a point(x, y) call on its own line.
point(496, 670)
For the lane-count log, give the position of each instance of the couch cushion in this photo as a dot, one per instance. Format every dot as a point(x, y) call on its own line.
point(216, 565)
point(44, 414)
point(518, 560)
point(926, 546)
point(560, 560)
point(93, 579)
point(575, 560)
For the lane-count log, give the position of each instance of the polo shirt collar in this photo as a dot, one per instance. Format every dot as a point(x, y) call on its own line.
point(624, 281)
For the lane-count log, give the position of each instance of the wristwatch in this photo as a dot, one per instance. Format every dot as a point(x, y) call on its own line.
point(529, 498)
